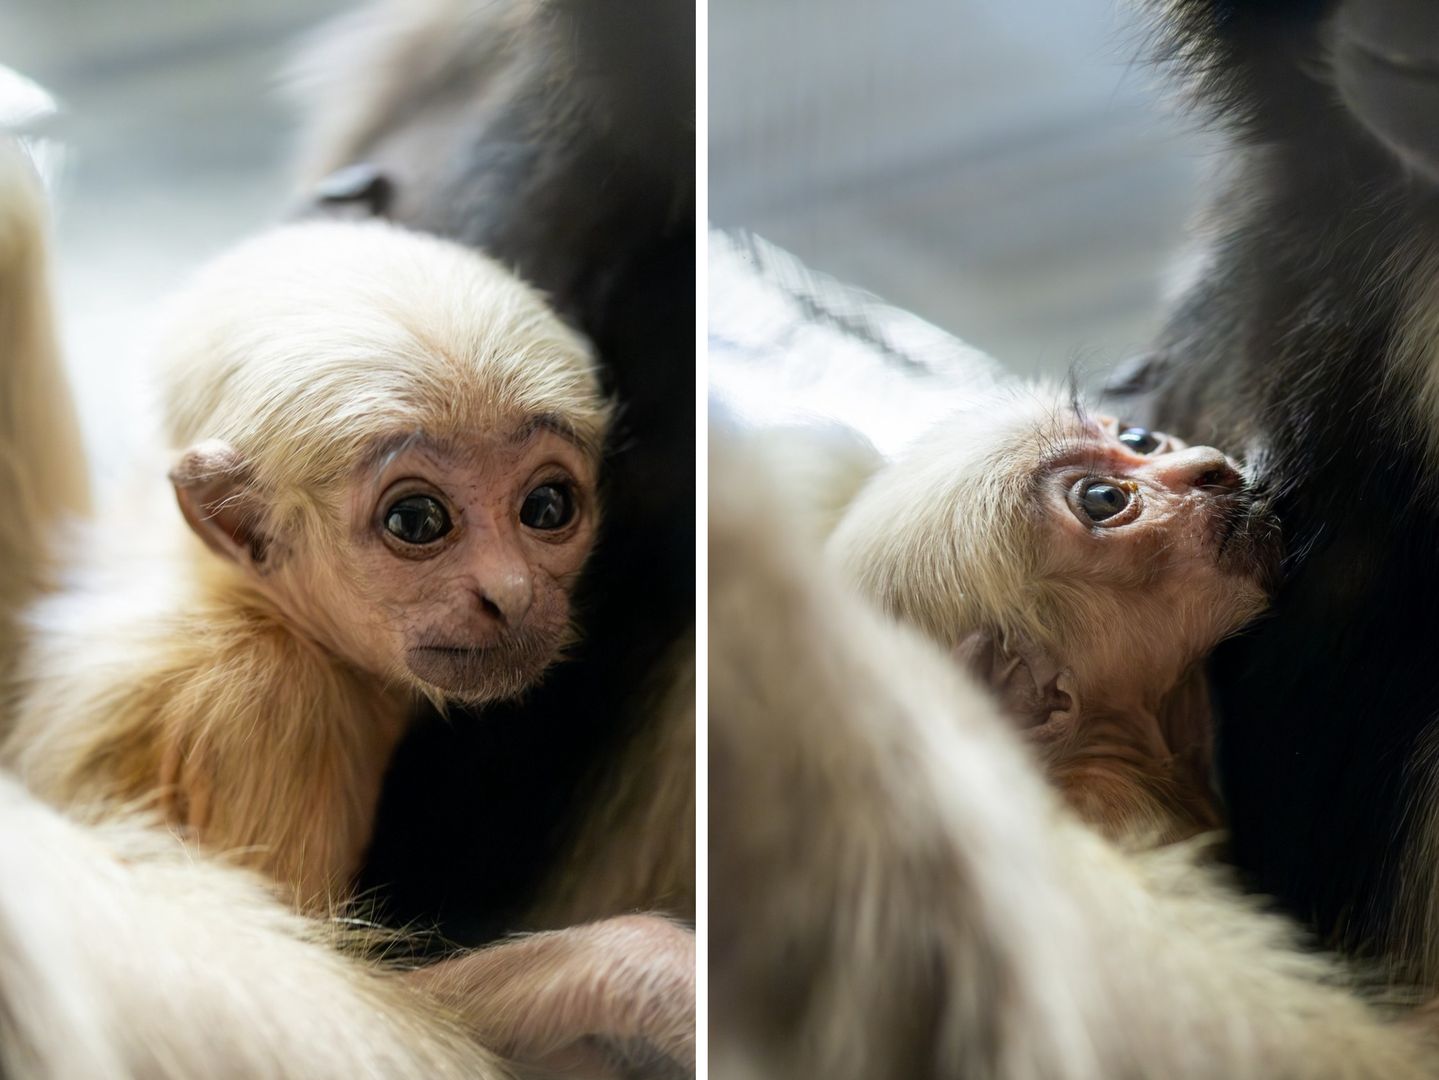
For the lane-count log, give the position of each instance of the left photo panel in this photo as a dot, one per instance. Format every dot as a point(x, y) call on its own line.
point(347, 578)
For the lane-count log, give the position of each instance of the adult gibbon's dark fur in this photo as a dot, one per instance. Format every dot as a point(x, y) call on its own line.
point(559, 138)
point(1311, 342)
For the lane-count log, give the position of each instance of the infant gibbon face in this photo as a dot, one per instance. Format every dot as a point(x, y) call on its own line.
point(1164, 549)
point(459, 560)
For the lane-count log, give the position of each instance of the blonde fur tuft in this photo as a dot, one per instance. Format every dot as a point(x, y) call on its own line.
point(945, 537)
point(335, 336)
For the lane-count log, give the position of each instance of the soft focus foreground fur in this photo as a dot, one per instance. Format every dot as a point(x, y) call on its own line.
point(895, 893)
point(123, 955)
point(42, 465)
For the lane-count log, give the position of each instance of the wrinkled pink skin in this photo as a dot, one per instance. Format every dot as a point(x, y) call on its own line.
point(476, 615)
point(1121, 721)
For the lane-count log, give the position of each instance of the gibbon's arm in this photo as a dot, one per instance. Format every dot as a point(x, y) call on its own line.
point(124, 954)
point(614, 998)
point(896, 893)
point(42, 462)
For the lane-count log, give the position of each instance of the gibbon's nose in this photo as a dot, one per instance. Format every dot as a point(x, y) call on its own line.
point(1201, 467)
point(504, 587)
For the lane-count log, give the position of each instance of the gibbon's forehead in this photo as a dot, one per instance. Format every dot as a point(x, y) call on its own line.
point(1013, 435)
point(511, 433)
point(349, 319)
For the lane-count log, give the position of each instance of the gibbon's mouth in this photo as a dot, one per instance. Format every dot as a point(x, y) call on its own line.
point(479, 673)
point(1247, 540)
point(1386, 68)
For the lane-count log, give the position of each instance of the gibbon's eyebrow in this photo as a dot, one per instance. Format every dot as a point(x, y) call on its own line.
point(556, 423)
point(392, 446)
point(1081, 436)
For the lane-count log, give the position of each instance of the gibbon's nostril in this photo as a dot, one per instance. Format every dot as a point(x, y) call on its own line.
point(505, 597)
point(1197, 468)
point(1220, 478)
point(492, 609)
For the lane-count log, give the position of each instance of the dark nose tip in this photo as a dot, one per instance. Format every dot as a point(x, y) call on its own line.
point(1197, 468)
point(359, 190)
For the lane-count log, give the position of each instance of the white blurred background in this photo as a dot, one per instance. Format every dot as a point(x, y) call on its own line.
point(175, 142)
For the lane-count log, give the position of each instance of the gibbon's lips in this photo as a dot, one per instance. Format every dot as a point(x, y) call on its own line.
point(1246, 537)
point(492, 671)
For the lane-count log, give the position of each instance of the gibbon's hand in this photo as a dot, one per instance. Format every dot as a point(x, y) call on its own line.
point(610, 999)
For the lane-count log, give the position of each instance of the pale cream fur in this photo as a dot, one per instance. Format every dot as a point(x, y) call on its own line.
point(944, 537)
point(948, 537)
point(897, 894)
point(125, 953)
point(958, 537)
point(161, 670)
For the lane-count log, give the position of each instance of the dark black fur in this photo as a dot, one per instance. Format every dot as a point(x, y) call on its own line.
point(567, 151)
point(1284, 346)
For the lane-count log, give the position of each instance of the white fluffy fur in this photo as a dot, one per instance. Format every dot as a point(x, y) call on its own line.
point(304, 345)
point(820, 467)
point(944, 538)
point(898, 894)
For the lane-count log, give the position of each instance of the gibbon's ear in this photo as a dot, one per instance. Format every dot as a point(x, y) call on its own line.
point(211, 486)
point(1031, 684)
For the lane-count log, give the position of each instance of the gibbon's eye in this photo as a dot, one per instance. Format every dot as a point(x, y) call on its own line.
point(549, 506)
point(417, 519)
point(1101, 500)
point(1140, 440)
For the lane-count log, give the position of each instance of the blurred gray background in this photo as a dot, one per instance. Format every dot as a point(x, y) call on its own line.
point(175, 142)
point(1008, 169)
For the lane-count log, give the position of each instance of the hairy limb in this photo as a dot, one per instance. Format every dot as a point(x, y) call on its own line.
point(614, 998)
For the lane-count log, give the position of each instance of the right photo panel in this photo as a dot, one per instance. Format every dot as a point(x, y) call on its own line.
point(1073, 539)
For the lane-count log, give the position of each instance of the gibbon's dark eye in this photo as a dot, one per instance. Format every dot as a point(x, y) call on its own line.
point(417, 519)
point(1140, 440)
point(1101, 500)
point(549, 506)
